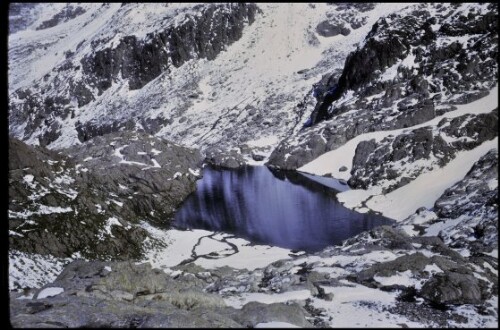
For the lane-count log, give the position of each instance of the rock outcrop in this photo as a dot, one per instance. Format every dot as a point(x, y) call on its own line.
point(91, 198)
point(395, 160)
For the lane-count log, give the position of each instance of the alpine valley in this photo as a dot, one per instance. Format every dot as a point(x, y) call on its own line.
point(115, 112)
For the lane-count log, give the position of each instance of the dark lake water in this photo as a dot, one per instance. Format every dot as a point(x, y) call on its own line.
point(279, 208)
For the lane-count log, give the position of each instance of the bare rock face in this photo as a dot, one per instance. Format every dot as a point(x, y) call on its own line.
point(90, 198)
point(327, 29)
point(203, 37)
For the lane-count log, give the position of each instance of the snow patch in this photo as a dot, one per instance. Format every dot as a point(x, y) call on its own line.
point(28, 178)
point(50, 292)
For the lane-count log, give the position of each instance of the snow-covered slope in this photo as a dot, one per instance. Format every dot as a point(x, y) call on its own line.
point(425, 179)
point(414, 65)
point(255, 90)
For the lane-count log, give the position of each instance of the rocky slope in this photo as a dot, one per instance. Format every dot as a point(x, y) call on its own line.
point(465, 217)
point(92, 64)
point(414, 65)
point(379, 161)
point(61, 203)
point(204, 69)
point(127, 295)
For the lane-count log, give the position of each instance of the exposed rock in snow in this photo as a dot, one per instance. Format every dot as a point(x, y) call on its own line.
point(101, 60)
point(57, 208)
point(466, 215)
point(410, 68)
point(399, 159)
point(137, 295)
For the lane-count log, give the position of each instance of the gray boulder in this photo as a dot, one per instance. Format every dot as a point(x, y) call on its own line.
point(452, 288)
point(327, 29)
point(254, 313)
